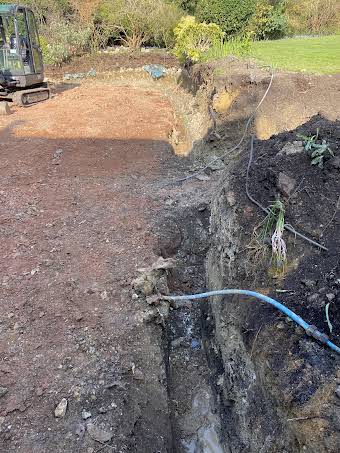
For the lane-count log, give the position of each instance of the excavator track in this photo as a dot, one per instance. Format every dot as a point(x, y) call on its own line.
point(25, 98)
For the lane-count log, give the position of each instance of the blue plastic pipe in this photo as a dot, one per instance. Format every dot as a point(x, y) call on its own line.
point(310, 330)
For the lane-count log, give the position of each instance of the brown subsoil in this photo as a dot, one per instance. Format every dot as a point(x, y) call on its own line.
point(77, 201)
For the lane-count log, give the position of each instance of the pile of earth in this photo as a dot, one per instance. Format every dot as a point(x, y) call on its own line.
point(276, 379)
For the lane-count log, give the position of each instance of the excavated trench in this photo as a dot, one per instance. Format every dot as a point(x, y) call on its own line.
point(241, 378)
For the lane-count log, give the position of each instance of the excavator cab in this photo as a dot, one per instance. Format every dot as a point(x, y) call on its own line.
point(21, 61)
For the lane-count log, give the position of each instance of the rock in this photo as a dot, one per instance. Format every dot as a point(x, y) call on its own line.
point(202, 177)
point(330, 296)
point(58, 154)
point(231, 198)
point(5, 108)
point(98, 434)
point(143, 285)
point(177, 342)
point(202, 207)
point(286, 184)
point(313, 298)
point(308, 283)
point(86, 415)
point(60, 410)
point(3, 391)
point(153, 300)
point(290, 149)
point(216, 163)
point(138, 375)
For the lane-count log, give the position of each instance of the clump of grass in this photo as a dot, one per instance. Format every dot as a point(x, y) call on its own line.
point(239, 47)
point(271, 230)
point(316, 150)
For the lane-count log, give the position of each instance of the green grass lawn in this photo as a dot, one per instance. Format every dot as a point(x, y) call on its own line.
point(318, 55)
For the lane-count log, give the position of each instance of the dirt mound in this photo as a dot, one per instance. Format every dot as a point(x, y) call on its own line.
point(276, 378)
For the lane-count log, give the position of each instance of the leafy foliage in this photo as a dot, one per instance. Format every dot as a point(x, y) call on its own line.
point(317, 151)
point(193, 39)
point(231, 15)
point(267, 22)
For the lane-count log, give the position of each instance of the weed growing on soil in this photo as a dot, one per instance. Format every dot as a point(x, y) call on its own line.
point(317, 151)
point(272, 228)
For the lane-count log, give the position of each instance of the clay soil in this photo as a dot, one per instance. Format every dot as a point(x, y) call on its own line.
point(77, 199)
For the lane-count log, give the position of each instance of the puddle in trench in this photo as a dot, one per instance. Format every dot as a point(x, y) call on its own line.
point(195, 422)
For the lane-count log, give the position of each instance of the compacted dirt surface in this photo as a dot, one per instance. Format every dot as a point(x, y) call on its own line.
point(76, 202)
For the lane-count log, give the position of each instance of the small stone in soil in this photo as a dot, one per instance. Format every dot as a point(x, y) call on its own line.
point(86, 415)
point(3, 391)
point(60, 410)
point(98, 434)
point(138, 375)
point(337, 391)
point(308, 283)
point(286, 184)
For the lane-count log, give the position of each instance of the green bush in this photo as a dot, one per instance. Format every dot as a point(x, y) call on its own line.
point(231, 15)
point(267, 22)
point(193, 39)
point(61, 41)
point(138, 22)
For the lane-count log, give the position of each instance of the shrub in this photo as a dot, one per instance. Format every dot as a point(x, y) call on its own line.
point(137, 22)
point(61, 41)
point(231, 15)
point(193, 39)
point(313, 16)
point(267, 22)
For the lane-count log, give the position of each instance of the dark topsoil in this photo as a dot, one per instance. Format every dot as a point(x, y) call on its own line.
point(312, 208)
point(294, 396)
point(312, 279)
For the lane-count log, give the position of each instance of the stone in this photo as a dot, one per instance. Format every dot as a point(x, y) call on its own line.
point(58, 154)
point(5, 108)
point(3, 391)
point(60, 410)
point(216, 163)
point(143, 285)
point(286, 184)
point(98, 434)
point(202, 177)
point(138, 375)
point(231, 198)
point(153, 300)
point(308, 283)
point(177, 342)
point(313, 298)
point(330, 296)
point(86, 415)
point(290, 149)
